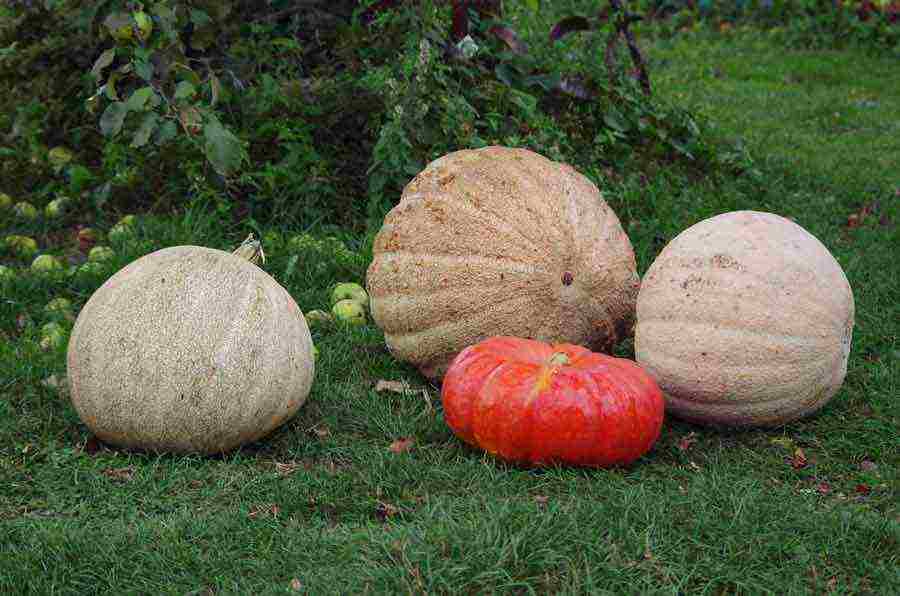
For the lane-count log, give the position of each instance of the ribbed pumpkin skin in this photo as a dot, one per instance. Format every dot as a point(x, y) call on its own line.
point(499, 241)
point(508, 396)
point(189, 349)
point(745, 319)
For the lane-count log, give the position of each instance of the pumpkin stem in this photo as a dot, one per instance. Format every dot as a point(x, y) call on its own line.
point(559, 359)
point(250, 250)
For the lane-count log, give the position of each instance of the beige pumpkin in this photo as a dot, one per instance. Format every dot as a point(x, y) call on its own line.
point(499, 241)
point(745, 319)
point(189, 349)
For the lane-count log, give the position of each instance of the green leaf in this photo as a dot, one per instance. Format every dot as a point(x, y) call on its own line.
point(215, 88)
point(534, 5)
point(222, 148)
point(113, 117)
point(148, 125)
point(166, 132)
point(143, 69)
point(139, 99)
point(199, 17)
point(616, 122)
point(105, 59)
point(185, 90)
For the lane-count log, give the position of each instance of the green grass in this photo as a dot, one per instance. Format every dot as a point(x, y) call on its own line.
point(324, 501)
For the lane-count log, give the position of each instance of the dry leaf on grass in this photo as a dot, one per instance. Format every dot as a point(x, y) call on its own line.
point(401, 445)
point(296, 585)
point(119, 474)
point(799, 460)
point(401, 387)
point(264, 510)
point(385, 510)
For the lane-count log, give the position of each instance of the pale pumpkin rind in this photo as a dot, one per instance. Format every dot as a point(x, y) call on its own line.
point(745, 319)
point(189, 349)
point(499, 241)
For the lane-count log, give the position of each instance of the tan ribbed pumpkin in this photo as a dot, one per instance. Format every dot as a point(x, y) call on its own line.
point(499, 241)
point(189, 349)
point(745, 319)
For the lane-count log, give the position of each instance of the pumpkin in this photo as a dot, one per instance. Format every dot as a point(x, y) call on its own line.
point(189, 349)
point(533, 403)
point(499, 241)
point(745, 319)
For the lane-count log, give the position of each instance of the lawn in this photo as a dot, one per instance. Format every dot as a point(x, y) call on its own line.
point(333, 503)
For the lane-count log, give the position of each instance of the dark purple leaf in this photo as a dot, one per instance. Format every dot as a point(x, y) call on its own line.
point(510, 37)
point(569, 25)
point(460, 20)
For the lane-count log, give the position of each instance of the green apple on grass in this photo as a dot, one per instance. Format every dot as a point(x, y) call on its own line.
point(350, 291)
point(56, 207)
point(25, 210)
point(53, 336)
point(316, 318)
point(99, 254)
point(46, 264)
point(22, 246)
point(350, 312)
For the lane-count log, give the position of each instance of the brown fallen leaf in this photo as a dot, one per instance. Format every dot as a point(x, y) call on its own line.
point(296, 585)
point(119, 474)
point(401, 445)
point(401, 387)
point(541, 499)
point(799, 460)
point(686, 441)
point(264, 510)
point(322, 431)
point(385, 510)
point(22, 320)
point(286, 468)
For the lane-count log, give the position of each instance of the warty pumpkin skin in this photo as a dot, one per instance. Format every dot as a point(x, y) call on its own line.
point(499, 241)
point(189, 349)
point(745, 319)
point(534, 403)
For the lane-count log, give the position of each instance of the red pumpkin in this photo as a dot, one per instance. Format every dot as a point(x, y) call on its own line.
point(530, 402)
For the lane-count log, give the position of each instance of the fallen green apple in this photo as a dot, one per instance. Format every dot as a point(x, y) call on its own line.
point(56, 207)
point(58, 305)
point(316, 318)
point(53, 336)
point(99, 254)
point(120, 233)
point(350, 291)
point(22, 246)
point(25, 210)
point(350, 312)
point(46, 264)
point(59, 157)
point(5, 201)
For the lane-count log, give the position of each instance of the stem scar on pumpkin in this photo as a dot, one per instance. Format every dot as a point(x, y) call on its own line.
point(557, 360)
